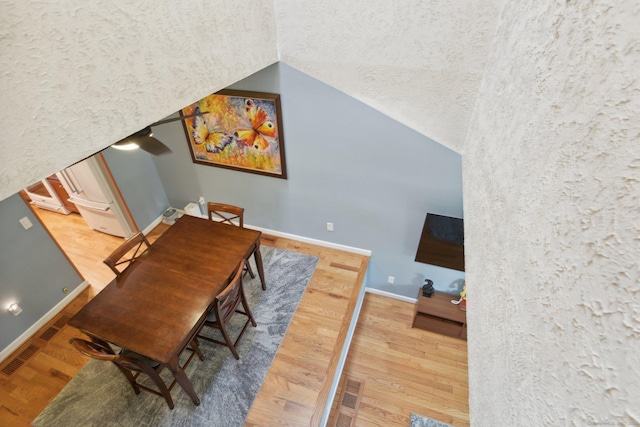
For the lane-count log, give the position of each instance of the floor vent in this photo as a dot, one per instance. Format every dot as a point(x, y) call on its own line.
point(49, 333)
point(37, 342)
point(12, 366)
point(28, 352)
point(349, 402)
point(62, 321)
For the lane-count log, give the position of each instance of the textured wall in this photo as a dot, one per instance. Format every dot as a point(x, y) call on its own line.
point(77, 76)
point(551, 176)
point(418, 62)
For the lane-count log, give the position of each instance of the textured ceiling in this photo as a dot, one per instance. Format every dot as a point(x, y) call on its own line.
point(418, 62)
point(78, 76)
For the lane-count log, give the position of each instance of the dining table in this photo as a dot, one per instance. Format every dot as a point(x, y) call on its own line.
point(158, 304)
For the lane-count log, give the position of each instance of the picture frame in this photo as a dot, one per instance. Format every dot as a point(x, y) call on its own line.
point(238, 130)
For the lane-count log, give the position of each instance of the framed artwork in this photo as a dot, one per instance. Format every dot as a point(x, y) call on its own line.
point(237, 130)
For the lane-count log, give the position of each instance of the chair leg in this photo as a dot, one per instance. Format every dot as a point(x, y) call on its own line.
point(196, 348)
point(162, 387)
point(155, 377)
point(245, 306)
point(227, 339)
point(132, 380)
point(248, 269)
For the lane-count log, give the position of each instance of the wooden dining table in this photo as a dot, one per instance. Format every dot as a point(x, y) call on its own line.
point(158, 304)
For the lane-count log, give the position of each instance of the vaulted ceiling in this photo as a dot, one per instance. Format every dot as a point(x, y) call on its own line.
point(78, 76)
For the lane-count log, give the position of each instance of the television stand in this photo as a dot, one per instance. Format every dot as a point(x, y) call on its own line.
point(437, 314)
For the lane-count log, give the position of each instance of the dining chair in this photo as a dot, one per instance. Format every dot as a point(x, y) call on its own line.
point(229, 301)
point(132, 364)
point(121, 258)
point(233, 215)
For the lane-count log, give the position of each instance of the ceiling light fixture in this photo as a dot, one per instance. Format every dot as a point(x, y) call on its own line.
point(144, 139)
point(125, 145)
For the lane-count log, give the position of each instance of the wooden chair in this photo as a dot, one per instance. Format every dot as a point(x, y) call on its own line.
point(127, 253)
point(229, 214)
point(132, 364)
point(226, 213)
point(226, 304)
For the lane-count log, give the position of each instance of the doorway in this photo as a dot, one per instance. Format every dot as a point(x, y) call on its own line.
point(85, 247)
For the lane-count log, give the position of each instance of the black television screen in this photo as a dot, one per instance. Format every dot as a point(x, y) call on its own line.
point(442, 242)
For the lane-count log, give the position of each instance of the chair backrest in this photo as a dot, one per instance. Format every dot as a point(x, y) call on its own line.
point(93, 349)
point(99, 351)
point(127, 253)
point(226, 213)
point(230, 297)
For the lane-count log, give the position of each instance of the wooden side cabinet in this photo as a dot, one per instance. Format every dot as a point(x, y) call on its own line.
point(437, 314)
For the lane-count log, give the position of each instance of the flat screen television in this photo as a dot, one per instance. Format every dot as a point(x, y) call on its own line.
point(442, 242)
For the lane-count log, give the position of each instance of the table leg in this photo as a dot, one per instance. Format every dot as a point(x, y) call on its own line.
point(185, 383)
point(258, 257)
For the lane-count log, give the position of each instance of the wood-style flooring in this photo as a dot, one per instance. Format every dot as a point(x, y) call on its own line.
point(400, 369)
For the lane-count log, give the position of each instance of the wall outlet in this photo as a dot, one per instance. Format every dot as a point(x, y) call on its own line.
point(26, 223)
point(391, 279)
point(329, 226)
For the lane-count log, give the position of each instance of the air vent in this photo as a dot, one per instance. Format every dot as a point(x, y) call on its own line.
point(349, 403)
point(28, 352)
point(49, 333)
point(12, 366)
point(62, 321)
point(36, 343)
point(344, 420)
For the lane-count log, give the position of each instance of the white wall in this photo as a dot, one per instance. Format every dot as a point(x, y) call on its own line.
point(552, 216)
point(418, 62)
point(80, 75)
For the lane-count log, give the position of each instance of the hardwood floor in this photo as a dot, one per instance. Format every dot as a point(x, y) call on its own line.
point(402, 370)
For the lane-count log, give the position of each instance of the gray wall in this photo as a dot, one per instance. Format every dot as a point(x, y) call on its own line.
point(33, 270)
point(347, 163)
point(374, 178)
point(139, 184)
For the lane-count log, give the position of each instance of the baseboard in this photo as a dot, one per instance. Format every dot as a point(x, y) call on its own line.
point(311, 241)
point(26, 335)
point(390, 295)
point(302, 239)
point(153, 225)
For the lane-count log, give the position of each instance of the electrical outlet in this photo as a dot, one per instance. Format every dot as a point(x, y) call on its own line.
point(391, 279)
point(26, 223)
point(329, 226)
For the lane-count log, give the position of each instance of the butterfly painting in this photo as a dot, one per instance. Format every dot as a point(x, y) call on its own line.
point(208, 135)
point(237, 130)
point(261, 128)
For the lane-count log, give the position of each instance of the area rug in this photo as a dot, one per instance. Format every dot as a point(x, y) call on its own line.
point(420, 421)
point(99, 395)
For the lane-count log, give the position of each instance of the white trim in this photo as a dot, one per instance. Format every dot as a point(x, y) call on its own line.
point(302, 239)
point(153, 225)
point(6, 352)
point(311, 241)
point(390, 295)
point(344, 353)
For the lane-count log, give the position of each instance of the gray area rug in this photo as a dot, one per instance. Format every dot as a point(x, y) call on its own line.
point(99, 395)
point(420, 421)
